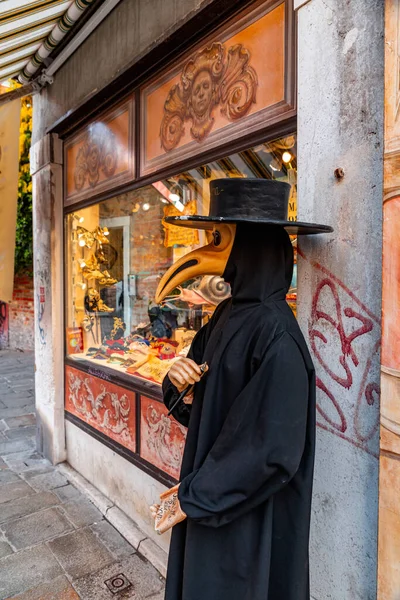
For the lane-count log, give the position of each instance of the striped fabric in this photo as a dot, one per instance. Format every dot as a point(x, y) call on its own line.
point(30, 30)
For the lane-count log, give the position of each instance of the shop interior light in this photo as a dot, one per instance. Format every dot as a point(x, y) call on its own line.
point(83, 264)
point(78, 218)
point(174, 198)
point(105, 231)
point(146, 206)
point(82, 243)
point(286, 157)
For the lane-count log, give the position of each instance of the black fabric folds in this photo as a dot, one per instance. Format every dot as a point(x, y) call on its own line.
point(246, 478)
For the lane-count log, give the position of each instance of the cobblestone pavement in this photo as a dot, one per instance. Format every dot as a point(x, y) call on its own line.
point(54, 543)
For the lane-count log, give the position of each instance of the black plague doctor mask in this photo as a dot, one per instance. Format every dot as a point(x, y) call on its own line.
point(241, 512)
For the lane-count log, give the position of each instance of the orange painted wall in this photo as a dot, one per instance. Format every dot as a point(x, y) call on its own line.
point(389, 487)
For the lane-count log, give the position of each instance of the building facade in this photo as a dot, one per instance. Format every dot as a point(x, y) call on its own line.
point(163, 97)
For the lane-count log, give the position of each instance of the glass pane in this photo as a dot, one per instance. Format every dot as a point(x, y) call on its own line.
point(118, 250)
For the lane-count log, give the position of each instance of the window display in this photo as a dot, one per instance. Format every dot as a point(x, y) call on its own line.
point(117, 251)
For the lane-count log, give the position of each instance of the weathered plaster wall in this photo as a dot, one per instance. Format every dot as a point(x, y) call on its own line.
point(340, 124)
point(129, 32)
point(46, 169)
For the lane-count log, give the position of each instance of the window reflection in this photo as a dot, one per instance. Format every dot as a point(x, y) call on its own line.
point(118, 250)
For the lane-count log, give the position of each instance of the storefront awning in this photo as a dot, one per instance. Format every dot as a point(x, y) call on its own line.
point(30, 30)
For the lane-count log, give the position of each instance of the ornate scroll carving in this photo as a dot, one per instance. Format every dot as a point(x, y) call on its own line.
point(106, 410)
point(98, 154)
point(212, 77)
point(166, 439)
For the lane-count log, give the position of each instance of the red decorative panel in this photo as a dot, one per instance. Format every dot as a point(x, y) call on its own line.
point(162, 439)
point(103, 405)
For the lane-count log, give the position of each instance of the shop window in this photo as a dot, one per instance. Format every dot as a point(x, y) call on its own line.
point(118, 249)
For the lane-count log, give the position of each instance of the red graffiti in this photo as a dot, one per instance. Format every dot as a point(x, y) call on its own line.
point(342, 425)
point(336, 320)
point(342, 331)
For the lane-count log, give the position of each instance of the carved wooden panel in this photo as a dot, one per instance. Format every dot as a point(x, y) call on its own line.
point(101, 155)
point(162, 439)
point(236, 81)
point(106, 407)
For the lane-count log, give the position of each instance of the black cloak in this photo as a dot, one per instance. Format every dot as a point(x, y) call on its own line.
point(247, 470)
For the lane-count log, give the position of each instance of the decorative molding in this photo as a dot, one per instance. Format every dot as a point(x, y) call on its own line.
point(101, 155)
point(213, 77)
point(221, 88)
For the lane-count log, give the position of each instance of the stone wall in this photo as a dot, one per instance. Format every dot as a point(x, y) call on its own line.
point(21, 315)
point(340, 126)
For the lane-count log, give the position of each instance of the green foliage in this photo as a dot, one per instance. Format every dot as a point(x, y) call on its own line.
point(23, 242)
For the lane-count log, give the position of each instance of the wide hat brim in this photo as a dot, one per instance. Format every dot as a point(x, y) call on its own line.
point(208, 222)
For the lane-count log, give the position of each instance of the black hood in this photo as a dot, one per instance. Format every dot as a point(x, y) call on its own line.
point(260, 265)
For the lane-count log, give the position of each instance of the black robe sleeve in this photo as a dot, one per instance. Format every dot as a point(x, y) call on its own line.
point(182, 412)
point(260, 445)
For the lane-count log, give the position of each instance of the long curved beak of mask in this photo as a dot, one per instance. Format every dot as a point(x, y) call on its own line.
point(208, 260)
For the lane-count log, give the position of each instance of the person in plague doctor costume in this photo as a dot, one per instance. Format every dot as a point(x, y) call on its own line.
point(241, 512)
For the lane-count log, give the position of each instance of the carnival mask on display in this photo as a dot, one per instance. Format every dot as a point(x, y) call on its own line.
point(118, 330)
point(106, 255)
point(100, 234)
point(93, 302)
point(87, 238)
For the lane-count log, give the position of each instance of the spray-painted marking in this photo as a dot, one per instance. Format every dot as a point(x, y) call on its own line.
point(345, 340)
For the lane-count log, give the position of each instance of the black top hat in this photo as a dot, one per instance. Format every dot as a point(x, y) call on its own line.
point(243, 200)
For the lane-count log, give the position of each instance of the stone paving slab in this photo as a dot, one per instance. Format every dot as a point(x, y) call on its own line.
point(32, 472)
point(26, 569)
point(5, 549)
point(16, 411)
point(7, 476)
point(113, 541)
point(36, 528)
point(21, 421)
point(52, 536)
point(12, 491)
point(22, 398)
point(20, 433)
point(67, 493)
point(24, 461)
point(80, 553)
point(25, 506)
point(12, 446)
point(143, 577)
point(58, 589)
point(82, 513)
point(48, 481)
